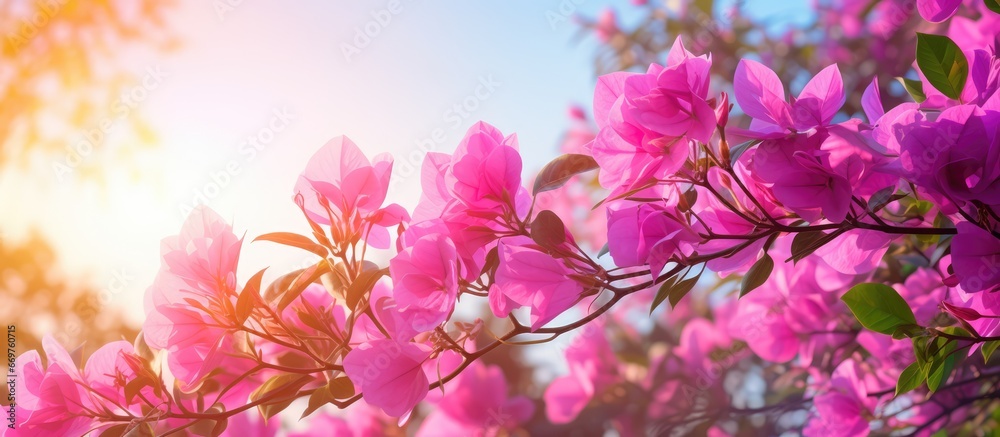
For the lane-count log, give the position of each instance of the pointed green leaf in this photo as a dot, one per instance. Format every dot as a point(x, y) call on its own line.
point(988, 348)
point(757, 275)
point(914, 88)
point(294, 240)
point(911, 378)
point(942, 63)
point(993, 5)
point(737, 151)
point(548, 230)
point(560, 170)
point(878, 307)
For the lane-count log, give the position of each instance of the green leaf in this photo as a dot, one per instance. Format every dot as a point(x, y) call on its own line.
point(341, 388)
point(943, 64)
point(662, 293)
point(940, 366)
point(988, 348)
point(736, 152)
point(674, 289)
point(604, 250)
point(362, 285)
point(682, 289)
point(937, 356)
point(757, 275)
point(904, 331)
point(548, 230)
point(560, 170)
point(337, 388)
point(248, 298)
point(294, 240)
point(299, 284)
point(281, 390)
point(993, 5)
point(805, 243)
point(878, 307)
point(914, 88)
point(911, 378)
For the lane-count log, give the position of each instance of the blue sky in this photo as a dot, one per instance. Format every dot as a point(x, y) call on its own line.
point(516, 63)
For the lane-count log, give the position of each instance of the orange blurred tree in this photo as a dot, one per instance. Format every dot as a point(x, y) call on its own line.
point(62, 75)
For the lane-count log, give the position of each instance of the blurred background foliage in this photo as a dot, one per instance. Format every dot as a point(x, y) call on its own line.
point(61, 74)
point(38, 300)
point(851, 33)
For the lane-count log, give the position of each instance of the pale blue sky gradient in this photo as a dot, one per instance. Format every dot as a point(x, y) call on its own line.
point(261, 57)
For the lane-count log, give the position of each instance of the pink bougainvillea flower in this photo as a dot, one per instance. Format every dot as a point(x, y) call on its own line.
point(53, 400)
point(975, 256)
point(389, 374)
point(714, 215)
point(358, 420)
point(795, 300)
point(957, 155)
point(476, 404)
point(251, 424)
point(592, 368)
point(485, 171)
point(937, 11)
point(425, 278)
point(340, 176)
point(856, 251)
point(648, 233)
point(984, 78)
point(761, 95)
point(474, 195)
point(871, 102)
point(980, 310)
point(204, 256)
point(344, 176)
point(108, 371)
point(199, 265)
point(699, 338)
point(923, 290)
point(647, 120)
point(527, 276)
point(630, 238)
point(816, 174)
point(841, 408)
point(606, 26)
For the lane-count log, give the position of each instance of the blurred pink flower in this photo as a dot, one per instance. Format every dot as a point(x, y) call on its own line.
point(842, 407)
point(592, 368)
point(476, 404)
point(199, 266)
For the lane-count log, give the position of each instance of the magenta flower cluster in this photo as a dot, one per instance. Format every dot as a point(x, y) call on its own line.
point(864, 249)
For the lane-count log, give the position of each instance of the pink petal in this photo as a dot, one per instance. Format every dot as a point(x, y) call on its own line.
point(871, 102)
point(821, 98)
point(937, 11)
point(760, 94)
